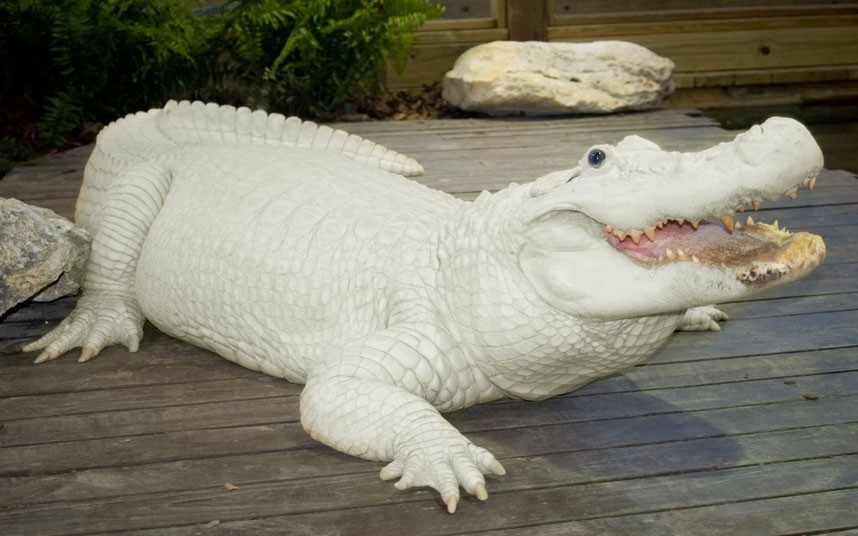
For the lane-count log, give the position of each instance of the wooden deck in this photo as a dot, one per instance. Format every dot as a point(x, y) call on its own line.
point(753, 430)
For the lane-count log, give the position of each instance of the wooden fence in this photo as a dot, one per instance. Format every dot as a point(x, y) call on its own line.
point(715, 44)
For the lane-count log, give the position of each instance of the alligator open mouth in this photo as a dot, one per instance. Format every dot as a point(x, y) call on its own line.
point(760, 254)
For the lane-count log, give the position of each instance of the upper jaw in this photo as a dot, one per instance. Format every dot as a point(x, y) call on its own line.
point(644, 189)
point(727, 219)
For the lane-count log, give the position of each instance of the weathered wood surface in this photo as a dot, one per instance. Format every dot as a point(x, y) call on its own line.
point(752, 430)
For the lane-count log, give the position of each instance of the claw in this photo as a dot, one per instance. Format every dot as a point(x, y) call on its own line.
point(451, 500)
point(391, 471)
point(498, 469)
point(132, 342)
point(44, 356)
point(86, 354)
point(481, 492)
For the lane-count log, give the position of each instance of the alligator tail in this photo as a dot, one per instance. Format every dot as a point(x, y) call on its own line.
point(134, 138)
point(197, 122)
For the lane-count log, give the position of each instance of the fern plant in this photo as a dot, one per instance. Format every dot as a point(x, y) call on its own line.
point(315, 57)
point(95, 59)
point(76, 61)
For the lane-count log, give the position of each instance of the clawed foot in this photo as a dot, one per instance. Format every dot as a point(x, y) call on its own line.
point(96, 322)
point(445, 468)
point(704, 318)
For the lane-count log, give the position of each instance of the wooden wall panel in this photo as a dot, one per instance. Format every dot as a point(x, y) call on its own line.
point(744, 49)
point(724, 44)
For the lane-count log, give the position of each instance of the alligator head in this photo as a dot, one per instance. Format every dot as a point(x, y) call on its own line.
point(634, 230)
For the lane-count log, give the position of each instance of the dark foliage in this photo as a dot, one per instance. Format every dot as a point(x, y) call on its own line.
point(65, 64)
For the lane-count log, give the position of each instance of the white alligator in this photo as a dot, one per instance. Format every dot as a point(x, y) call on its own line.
point(295, 250)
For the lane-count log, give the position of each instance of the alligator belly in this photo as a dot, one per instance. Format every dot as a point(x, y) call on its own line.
point(269, 264)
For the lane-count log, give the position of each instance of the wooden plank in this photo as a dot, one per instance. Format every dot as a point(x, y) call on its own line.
point(568, 470)
point(734, 49)
point(600, 501)
point(831, 512)
point(784, 367)
point(161, 360)
point(672, 118)
point(804, 94)
point(789, 306)
point(642, 418)
point(572, 12)
point(662, 408)
point(168, 418)
point(526, 20)
point(467, 9)
point(754, 77)
point(846, 16)
point(248, 469)
point(769, 335)
point(161, 395)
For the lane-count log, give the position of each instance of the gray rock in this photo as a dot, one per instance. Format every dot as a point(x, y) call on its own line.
point(42, 255)
point(536, 78)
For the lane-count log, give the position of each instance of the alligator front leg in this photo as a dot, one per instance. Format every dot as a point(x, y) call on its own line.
point(107, 312)
point(703, 318)
point(376, 401)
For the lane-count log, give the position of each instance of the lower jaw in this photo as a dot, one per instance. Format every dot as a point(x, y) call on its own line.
point(761, 255)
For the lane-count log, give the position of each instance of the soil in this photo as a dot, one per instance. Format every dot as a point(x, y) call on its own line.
point(405, 104)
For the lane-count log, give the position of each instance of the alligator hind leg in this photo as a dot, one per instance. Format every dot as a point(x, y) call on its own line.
point(107, 312)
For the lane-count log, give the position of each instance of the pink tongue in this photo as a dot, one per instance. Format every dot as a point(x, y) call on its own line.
point(710, 243)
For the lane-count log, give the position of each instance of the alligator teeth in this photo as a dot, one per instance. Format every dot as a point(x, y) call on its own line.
point(695, 259)
point(695, 223)
point(738, 225)
point(775, 225)
point(650, 233)
point(749, 221)
point(621, 235)
point(680, 221)
point(728, 223)
point(670, 254)
point(609, 228)
point(792, 194)
point(636, 236)
point(680, 253)
point(756, 204)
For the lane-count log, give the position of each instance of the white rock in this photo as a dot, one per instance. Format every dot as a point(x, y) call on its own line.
point(537, 78)
point(43, 255)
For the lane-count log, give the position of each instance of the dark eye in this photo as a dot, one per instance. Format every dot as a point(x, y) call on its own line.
point(596, 158)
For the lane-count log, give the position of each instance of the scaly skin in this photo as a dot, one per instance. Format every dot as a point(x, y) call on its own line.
point(287, 248)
